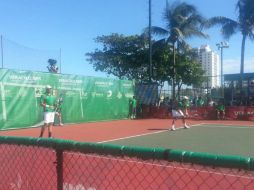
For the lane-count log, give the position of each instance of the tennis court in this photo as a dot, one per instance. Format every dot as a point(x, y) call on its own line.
point(219, 137)
point(211, 138)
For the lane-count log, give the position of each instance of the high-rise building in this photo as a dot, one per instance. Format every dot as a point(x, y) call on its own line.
point(211, 65)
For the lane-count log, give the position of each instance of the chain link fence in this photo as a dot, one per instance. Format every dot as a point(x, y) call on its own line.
point(17, 56)
point(51, 164)
point(210, 89)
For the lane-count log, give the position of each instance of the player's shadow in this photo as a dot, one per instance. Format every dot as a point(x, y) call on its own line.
point(157, 129)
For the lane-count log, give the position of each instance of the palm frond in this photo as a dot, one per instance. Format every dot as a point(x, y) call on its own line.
point(245, 9)
point(176, 33)
point(183, 45)
point(160, 44)
point(185, 9)
point(229, 29)
point(159, 31)
point(195, 19)
point(251, 37)
point(219, 20)
point(190, 32)
point(181, 21)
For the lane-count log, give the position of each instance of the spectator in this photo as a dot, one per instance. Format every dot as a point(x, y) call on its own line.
point(133, 107)
point(210, 102)
point(194, 101)
point(185, 105)
point(161, 101)
point(200, 102)
point(52, 67)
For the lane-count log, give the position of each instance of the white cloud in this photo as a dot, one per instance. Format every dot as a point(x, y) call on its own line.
point(232, 66)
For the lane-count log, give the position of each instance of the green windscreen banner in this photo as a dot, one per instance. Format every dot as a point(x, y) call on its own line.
point(84, 98)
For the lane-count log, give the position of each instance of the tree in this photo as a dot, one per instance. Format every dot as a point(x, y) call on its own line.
point(127, 58)
point(189, 70)
point(182, 21)
point(162, 54)
point(123, 56)
point(244, 24)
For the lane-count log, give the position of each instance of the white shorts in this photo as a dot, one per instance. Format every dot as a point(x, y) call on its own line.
point(177, 113)
point(49, 117)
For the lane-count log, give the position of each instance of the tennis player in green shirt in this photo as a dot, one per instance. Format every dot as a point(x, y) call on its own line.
point(58, 108)
point(133, 107)
point(48, 102)
point(220, 110)
point(179, 111)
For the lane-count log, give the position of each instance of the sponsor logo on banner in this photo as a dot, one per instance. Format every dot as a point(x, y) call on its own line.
point(85, 94)
point(127, 85)
point(119, 95)
point(72, 84)
point(38, 92)
point(109, 94)
point(25, 79)
point(239, 112)
point(72, 81)
point(97, 94)
point(71, 93)
point(103, 83)
point(129, 95)
point(250, 112)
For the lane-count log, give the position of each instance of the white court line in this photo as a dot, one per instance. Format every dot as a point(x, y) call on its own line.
point(228, 124)
point(222, 126)
point(232, 127)
point(145, 134)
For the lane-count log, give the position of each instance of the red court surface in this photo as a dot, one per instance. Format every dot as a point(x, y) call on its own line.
point(109, 130)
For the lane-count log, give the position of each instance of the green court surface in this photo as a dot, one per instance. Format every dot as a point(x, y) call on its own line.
point(216, 139)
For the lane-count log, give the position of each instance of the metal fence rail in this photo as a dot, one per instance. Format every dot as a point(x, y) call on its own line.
point(30, 163)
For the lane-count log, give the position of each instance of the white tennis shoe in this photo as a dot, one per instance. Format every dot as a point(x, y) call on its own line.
point(186, 126)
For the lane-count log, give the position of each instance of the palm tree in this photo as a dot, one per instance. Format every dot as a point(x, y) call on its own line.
point(182, 21)
point(243, 24)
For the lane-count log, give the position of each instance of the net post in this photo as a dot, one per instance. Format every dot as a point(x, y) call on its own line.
point(59, 168)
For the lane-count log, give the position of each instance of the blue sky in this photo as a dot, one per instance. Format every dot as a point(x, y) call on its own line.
point(72, 26)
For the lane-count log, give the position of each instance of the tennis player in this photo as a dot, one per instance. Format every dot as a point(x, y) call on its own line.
point(220, 108)
point(48, 102)
point(58, 108)
point(177, 112)
point(133, 108)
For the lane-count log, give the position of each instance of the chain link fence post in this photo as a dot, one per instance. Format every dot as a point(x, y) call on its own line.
point(59, 168)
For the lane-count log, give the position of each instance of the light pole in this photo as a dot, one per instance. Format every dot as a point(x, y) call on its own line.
point(2, 53)
point(150, 41)
point(221, 46)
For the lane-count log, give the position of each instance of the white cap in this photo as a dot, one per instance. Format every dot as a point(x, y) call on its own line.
point(185, 97)
point(48, 87)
